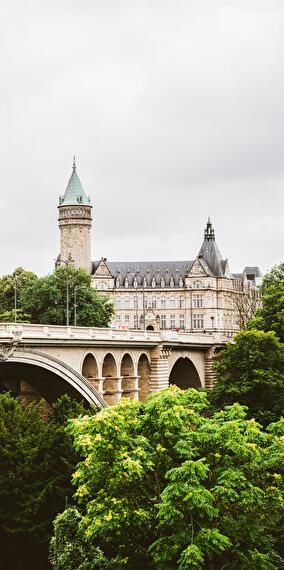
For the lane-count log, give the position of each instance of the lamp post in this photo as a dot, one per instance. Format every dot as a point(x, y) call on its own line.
point(75, 303)
point(67, 263)
point(15, 300)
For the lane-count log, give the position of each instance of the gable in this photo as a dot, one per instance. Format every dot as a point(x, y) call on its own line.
point(198, 269)
point(102, 269)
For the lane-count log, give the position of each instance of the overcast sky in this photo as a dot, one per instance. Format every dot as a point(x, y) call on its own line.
point(175, 111)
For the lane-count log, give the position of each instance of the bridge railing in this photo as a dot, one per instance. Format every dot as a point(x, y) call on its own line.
point(57, 332)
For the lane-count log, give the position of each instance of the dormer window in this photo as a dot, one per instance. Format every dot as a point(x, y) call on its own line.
point(144, 282)
point(172, 283)
point(153, 282)
point(135, 282)
point(117, 282)
point(126, 283)
point(180, 282)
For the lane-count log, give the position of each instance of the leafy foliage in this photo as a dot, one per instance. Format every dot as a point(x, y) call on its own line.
point(251, 372)
point(163, 486)
point(36, 462)
point(70, 549)
point(45, 299)
point(19, 278)
point(270, 316)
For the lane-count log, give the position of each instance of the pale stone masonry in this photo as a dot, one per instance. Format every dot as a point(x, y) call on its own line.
point(194, 295)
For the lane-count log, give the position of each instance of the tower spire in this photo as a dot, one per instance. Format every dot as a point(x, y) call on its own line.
point(209, 232)
point(74, 164)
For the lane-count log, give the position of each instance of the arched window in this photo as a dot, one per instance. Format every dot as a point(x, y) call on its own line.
point(126, 283)
point(102, 285)
point(172, 281)
point(197, 284)
point(153, 282)
point(162, 281)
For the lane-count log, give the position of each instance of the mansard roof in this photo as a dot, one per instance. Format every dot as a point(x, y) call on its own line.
point(74, 193)
point(170, 271)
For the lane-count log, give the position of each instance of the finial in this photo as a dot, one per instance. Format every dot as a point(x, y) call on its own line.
point(74, 164)
point(209, 232)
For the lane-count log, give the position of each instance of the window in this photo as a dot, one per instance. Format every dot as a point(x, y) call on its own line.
point(154, 303)
point(198, 321)
point(197, 285)
point(181, 302)
point(163, 303)
point(172, 282)
point(136, 321)
point(117, 283)
point(197, 301)
point(144, 282)
point(163, 322)
point(153, 282)
point(102, 285)
point(117, 303)
point(126, 319)
point(181, 322)
point(126, 303)
point(135, 302)
point(135, 282)
point(162, 282)
point(173, 321)
point(180, 282)
point(117, 318)
point(126, 284)
point(145, 303)
point(172, 302)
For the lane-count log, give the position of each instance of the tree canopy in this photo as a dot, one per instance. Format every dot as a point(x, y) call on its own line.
point(45, 299)
point(36, 462)
point(251, 371)
point(270, 316)
point(162, 485)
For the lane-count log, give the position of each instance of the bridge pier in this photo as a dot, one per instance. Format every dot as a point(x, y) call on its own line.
point(130, 387)
point(159, 376)
point(210, 374)
point(112, 390)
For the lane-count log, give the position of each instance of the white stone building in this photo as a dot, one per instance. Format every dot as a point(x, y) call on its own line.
point(194, 295)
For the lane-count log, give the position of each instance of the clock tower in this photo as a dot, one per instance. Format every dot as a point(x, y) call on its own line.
point(75, 225)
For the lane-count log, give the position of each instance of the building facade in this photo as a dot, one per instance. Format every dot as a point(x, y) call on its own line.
point(200, 294)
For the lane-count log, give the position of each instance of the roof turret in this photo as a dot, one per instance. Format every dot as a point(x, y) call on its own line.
point(74, 193)
point(210, 252)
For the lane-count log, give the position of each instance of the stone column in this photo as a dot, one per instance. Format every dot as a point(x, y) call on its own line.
point(209, 372)
point(97, 383)
point(112, 389)
point(130, 387)
point(159, 377)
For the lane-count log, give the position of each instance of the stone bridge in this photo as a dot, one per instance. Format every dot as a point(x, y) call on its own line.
point(102, 365)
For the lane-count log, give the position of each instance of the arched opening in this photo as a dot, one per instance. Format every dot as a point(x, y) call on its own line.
point(184, 374)
point(111, 389)
point(36, 376)
point(150, 328)
point(129, 381)
point(90, 371)
point(144, 376)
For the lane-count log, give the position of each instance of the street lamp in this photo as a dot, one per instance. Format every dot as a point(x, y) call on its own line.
point(67, 263)
point(75, 303)
point(15, 299)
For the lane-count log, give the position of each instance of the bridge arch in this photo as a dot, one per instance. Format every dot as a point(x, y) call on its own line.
point(24, 365)
point(128, 378)
point(184, 374)
point(144, 371)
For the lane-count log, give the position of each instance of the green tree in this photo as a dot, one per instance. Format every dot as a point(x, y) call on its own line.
point(19, 279)
point(36, 462)
point(163, 486)
point(270, 316)
point(70, 549)
point(251, 371)
point(45, 298)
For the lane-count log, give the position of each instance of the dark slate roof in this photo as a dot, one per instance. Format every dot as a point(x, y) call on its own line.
point(148, 269)
point(211, 254)
point(253, 271)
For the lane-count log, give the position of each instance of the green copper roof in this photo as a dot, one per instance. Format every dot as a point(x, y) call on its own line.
point(74, 193)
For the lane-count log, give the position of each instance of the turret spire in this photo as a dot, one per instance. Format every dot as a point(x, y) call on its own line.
point(209, 233)
point(74, 164)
